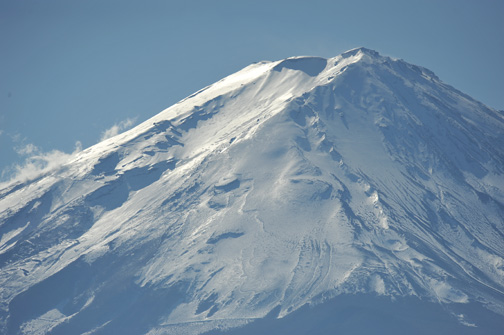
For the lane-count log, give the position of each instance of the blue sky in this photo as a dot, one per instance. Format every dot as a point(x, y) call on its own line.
point(73, 72)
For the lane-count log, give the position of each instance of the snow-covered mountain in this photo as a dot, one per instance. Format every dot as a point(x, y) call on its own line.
point(358, 185)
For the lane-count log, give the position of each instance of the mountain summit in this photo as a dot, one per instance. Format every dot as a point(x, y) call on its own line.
point(356, 184)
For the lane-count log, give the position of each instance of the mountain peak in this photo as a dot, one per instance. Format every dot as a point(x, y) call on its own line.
point(281, 185)
point(363, 50)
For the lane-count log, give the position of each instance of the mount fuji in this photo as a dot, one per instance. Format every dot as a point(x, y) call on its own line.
point(356, 194)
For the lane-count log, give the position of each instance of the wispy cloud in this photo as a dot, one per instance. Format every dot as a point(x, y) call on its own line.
point(117, 128)
point(36, 162)
point(27, 149)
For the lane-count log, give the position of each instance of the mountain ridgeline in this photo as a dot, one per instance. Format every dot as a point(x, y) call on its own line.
point(356, 194)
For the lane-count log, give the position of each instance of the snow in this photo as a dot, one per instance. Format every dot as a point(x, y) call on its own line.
point(285, 184)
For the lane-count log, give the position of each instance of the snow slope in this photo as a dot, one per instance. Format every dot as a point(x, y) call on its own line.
point(287, 183)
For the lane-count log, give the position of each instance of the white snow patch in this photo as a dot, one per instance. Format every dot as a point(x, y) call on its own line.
point(8, 236)
point(44, 323)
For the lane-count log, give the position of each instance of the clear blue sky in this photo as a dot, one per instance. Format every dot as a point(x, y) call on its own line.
point(70, 70)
